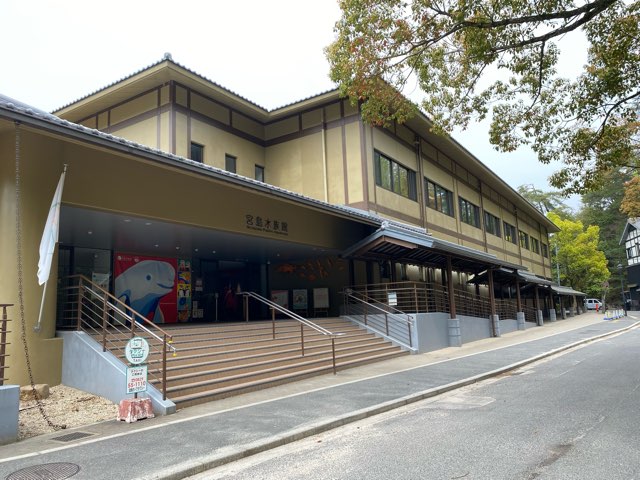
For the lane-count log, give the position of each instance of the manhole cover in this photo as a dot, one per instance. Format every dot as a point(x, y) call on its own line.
point(70, 437)
point(48, 471)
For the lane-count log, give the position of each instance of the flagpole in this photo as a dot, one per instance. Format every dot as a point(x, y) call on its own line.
point(36, 328)
point(48, 244)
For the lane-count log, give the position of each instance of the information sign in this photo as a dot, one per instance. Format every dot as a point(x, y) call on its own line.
point(137, 350)
point(137, 379)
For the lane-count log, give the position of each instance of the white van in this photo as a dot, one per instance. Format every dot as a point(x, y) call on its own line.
point(590, 304)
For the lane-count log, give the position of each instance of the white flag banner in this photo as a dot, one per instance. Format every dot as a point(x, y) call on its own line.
point(50, 234)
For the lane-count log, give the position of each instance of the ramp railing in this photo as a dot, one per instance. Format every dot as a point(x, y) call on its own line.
point(112, 323)
point(382, 317)
point(274, 307)
point(4, 321)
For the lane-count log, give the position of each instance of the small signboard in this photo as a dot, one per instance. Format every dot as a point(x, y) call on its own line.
point(393, 299)
point(281, 297)
point(320, 298)
point(137, 379)
point(137, 350)
point(300, 299)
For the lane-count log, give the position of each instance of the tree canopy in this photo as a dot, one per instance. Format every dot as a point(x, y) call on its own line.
point(474, 59)
point(545, 202)
point(582, 265)
point(630, 204)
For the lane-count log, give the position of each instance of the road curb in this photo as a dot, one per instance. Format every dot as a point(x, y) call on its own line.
point(232, 454)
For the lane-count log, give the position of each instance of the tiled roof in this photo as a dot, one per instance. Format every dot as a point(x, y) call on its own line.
point(8, 104)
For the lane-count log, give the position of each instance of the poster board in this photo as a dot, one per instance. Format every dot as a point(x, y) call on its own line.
point(281, 297)
point(147, 285)
point(320, 301)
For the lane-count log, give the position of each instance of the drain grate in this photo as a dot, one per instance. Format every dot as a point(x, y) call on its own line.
point(70, 437)
point(48, 471)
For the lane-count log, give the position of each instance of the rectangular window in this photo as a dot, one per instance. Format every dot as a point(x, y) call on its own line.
point(230, 163)
point(492, 224)
point(438, 198)
point(510, 233)
point(469, 213)
point(260, 173)
point(197, 152)
point(524, 240)
point(395, 177)
point(545, 250)
point(535, 245)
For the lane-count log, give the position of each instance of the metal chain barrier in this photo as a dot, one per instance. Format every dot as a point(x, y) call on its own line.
point(23, 325)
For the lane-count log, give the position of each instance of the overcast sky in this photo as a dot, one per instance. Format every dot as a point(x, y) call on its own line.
point(268, 51)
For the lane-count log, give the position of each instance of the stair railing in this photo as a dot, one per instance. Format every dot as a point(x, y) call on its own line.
point(274, 307)
point(4, 319)
point(112, 323)
point(395, 321)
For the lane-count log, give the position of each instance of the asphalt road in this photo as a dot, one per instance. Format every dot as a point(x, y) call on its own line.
point(572, 416)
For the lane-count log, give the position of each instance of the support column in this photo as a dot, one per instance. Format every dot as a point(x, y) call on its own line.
point(520, 320)
point(552, 307)
point(539, 319)
point(495, 321)
point(455, 332)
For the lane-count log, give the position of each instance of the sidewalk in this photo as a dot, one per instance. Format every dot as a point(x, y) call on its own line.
point(204, 436)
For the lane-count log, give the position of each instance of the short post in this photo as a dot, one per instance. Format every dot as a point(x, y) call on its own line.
point(273, 322)
point(552, 315)
point(520, 320)
point(495, 322)
point(333, 353)
point(105, 301)
point(302, 338)
point(79, 306)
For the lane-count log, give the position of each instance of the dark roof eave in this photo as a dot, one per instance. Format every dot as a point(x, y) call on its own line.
point(48, 122)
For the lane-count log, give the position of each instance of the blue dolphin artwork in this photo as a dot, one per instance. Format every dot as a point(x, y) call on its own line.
point(143, 285)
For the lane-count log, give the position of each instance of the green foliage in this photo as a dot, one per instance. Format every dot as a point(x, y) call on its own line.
point(601, 207)
point(582, 265)
point(498, 58)
point(546, 202)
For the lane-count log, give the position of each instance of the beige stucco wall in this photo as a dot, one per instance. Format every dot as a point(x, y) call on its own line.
point(41, 163)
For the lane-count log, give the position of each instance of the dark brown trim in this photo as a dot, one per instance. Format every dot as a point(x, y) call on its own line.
point(159, 119)
point(135, 120)
point(345, 164)
point(365, 163)
point(172, 115)
point(123, 102)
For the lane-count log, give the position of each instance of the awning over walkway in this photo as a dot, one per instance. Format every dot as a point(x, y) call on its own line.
point(510, 275)
point(560, 290)
point(412, 246)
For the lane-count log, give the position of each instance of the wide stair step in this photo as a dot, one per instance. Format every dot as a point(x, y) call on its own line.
point(221, 360)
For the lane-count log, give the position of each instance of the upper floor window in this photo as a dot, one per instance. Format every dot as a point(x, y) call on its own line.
point(469, 213)
point(260, 173)
point(524, 240)
point(197, 152)
point(510, 233)
point(438, 198)
point(632, 252)
point(395, 177)
point(230, 163)
point(492, 224)
point(535, 245)
point(545, 250)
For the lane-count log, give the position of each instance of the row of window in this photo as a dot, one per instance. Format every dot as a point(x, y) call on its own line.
point(230, 162)
point(401, 180)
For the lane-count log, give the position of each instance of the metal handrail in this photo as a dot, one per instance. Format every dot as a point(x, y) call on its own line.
point(395, 313)
point(99, 313)
point(294, 316)
point(3, 340)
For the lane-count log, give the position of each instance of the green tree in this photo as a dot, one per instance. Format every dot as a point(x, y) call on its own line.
point(602, 207)
point(545, 202)
point(582, 265)
point(480, 58)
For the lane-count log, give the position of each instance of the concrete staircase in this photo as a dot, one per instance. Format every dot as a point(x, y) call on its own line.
point(221, 360)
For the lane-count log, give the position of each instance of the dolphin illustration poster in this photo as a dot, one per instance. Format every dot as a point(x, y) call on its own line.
point(147, 285)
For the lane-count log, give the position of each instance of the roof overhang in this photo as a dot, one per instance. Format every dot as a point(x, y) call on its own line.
point(560, 290)
point(415, 247)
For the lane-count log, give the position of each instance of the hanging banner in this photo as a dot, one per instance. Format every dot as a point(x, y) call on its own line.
point(147, 285)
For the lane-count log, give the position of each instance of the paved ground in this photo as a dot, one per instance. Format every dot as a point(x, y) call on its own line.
point(201, 437)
